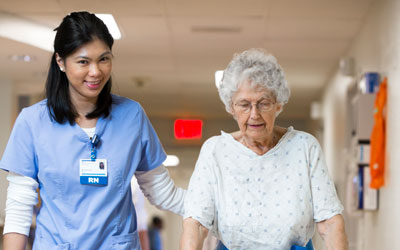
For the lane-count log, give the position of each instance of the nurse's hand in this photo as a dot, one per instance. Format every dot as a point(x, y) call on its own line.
point(193, 235)
point(14, 241)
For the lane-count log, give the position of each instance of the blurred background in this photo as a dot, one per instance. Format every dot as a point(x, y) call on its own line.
point(166, 59)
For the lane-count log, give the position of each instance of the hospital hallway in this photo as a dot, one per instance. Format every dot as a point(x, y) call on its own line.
point(168, 55)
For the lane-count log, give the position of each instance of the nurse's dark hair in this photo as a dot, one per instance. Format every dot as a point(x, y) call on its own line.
point(76, 29)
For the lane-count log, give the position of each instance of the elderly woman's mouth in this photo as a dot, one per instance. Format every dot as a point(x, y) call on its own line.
point(255, 125)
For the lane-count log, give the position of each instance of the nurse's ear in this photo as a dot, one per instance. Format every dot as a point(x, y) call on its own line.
point(60, 62)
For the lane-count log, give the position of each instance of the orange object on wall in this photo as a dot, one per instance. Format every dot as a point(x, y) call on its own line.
point(378, 138)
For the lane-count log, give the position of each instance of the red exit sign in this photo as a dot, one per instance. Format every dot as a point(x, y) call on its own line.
point(188, 129)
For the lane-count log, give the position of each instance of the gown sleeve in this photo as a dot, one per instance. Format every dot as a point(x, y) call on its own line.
point(200, 198)
point(326, 203)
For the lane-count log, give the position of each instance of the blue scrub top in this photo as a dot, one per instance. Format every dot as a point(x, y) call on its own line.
point(72, 215)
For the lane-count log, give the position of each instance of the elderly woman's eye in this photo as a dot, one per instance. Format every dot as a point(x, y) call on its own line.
point(264, 105)
point(244, 105)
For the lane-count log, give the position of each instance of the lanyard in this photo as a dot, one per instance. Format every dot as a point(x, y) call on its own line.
point(94, 141)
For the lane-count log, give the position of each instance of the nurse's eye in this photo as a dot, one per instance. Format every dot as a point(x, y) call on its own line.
point(83, 62)
point(105, 59)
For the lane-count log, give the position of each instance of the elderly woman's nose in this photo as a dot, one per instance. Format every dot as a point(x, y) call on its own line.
point(254, 110)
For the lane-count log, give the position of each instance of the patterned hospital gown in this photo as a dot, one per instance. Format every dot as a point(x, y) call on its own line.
point(262, 202)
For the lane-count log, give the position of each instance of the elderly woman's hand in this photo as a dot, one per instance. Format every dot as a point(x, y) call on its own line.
point(193, 235)
point(333, 233)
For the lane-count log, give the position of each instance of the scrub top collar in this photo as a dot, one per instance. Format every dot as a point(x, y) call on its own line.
point(100, 127)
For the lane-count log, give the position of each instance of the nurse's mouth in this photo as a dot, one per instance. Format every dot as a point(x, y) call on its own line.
point(93, 84)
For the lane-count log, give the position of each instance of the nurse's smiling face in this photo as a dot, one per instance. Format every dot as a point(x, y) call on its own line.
point(88, 69)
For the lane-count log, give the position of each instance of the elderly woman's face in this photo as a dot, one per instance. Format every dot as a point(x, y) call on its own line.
point(254, 109)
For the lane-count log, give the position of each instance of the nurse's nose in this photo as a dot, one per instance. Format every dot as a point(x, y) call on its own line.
point(94, 69)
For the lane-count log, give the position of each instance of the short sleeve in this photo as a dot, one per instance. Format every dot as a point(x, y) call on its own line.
point(326, 203)
point(152, 154)
point(200, 197)
point(19, 156)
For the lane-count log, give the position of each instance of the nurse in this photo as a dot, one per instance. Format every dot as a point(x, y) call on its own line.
point(58, 144)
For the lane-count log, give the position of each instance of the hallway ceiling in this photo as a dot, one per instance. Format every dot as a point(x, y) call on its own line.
point(170, 49)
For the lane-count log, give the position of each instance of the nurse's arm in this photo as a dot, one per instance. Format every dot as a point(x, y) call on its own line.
point(193, 235)
point(21, 197)
point(333, 233)
point(160, 190)
point(14, 241)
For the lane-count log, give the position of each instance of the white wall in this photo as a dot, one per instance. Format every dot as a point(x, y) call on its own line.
point(5, 128)
point(376, 48)
point(334, 141)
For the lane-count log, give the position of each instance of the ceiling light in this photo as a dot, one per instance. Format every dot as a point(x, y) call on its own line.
point(218, 77)
point(22, 58)
point(171, 161)
point(26, 31)
point(112, 26)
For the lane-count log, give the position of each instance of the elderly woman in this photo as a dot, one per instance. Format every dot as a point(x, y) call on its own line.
point(264, 186)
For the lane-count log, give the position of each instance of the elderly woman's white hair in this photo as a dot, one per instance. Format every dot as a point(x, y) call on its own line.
point(261, 69)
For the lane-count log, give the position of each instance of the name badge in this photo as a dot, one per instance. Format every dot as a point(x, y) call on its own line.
point(93, 172)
